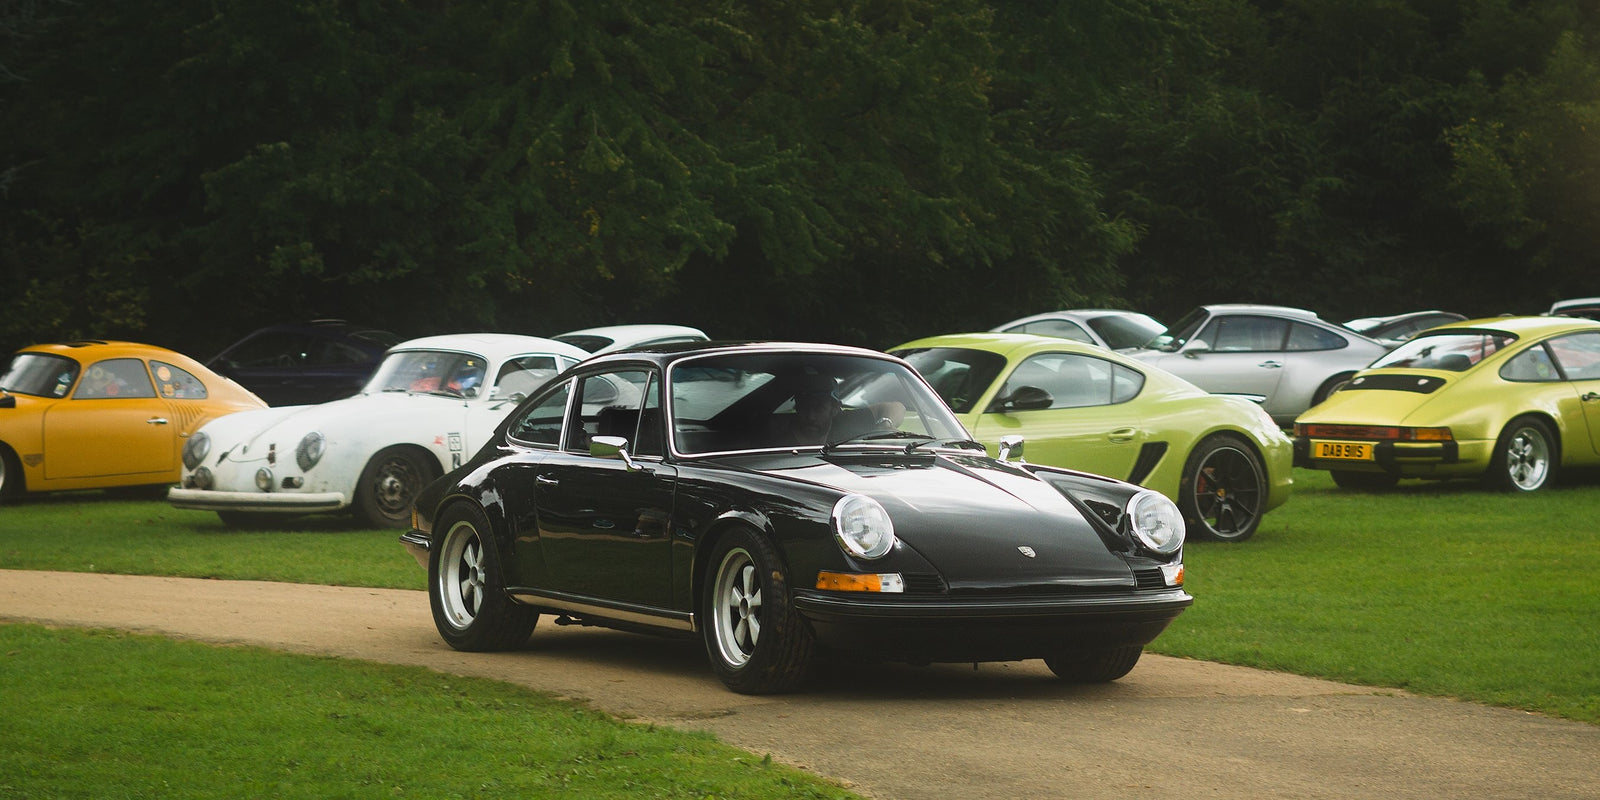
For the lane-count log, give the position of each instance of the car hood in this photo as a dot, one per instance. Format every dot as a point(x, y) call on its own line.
point(329, 418)
point(1390, 397)
point(971, 518)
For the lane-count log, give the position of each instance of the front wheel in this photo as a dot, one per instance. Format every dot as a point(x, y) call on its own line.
point(1095, 666)
point(1223, 490)
point(466, 586)
point(757, 642)
point(10, 475)
point(1524, 458)
point(388, 487)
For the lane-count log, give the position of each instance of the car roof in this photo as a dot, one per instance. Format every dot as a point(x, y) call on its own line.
point(1526, 326)
point(1006, 344)
point(1245, 308)
point(86, 350)
point(677, 351)
point(493, 345)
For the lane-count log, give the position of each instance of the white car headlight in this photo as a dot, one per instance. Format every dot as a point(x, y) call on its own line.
point(1156, 522)
point(196, 449)
point(862, 526)
point(310, 450)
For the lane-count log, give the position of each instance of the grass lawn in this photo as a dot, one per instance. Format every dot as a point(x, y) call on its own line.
point(1439, 589)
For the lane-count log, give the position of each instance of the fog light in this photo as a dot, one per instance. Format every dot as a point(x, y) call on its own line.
point(293, 483)
point(853, 582)
point(202, 479)
point(264, 479)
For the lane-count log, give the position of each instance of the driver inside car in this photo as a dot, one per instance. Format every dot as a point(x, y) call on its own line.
point(820, 417)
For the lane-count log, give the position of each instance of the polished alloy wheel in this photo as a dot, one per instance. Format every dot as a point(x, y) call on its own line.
point(736, 608)
point(461, 582)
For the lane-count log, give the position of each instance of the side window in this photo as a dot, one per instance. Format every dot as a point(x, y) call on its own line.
point(541, 422)
point(272, 349)
point(1062, 328)
point(175, 383)
point(609, 404)
point(1126, 383)
point(1246, 334)
point(524, 374)
point(115, 378)
point(1530, 366)
point(1073, 381)
point(1303, 337)
point(1578, 355)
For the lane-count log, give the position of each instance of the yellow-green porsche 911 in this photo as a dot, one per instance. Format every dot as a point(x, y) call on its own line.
point(1219, 457)
point(1507, 400)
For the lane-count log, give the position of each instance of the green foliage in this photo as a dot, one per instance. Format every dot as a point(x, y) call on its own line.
point(862, 171)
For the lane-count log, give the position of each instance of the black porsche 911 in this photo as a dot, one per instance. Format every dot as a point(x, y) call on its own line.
point(785, 502)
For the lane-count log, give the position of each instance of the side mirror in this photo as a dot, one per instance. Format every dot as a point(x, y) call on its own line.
point(612, 447)
point(1196, 348)
point(1010, 445)
point(1022, 398)
point(7, 401)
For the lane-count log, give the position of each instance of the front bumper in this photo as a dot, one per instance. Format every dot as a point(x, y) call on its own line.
point(417, 543)
point(923, 629)
point(256, 502)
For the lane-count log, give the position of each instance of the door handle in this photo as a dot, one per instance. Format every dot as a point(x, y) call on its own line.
point(1271, 365)
point(1589, 397)
point(1121, 435)
point(156, 421)
point(544, 480)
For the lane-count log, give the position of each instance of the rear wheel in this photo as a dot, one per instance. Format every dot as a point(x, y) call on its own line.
point(1524, 458)
point(1223, 490)
point(1330, 386)
point(1366, 481)
point(757, 642)
point(389, 485)
point(1095, 666)
point(466, 586)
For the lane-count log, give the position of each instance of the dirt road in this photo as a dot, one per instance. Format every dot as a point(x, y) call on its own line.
point(1172, 728)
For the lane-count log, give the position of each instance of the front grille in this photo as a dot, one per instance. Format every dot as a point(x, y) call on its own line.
point(1150, 579)
point(923, 583)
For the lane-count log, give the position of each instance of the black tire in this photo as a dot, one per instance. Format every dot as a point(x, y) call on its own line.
point(1095, 666)
point(757, 642)
point(1330, 386)
point(1364, 481)
point(389, 485)
point(1525, 457)
point(11, 480)
point(466, 586)
point(1223, 490)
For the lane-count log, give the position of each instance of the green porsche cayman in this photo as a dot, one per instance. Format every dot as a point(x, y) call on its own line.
point(1507, 400)
point(1219, 457)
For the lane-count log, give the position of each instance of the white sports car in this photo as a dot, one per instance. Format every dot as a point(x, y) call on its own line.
point(429, 406)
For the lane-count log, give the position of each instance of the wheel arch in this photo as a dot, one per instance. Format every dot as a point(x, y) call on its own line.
point(13, 481)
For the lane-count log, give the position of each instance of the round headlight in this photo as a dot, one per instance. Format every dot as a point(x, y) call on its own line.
point(310, 450)
point(862, 526)
point(1156, 522)
point(264, 479)
point(196, 449)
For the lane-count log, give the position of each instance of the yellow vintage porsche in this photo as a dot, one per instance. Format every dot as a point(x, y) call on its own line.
point(1082, 407)
point(104, 414)
point(1506, 400)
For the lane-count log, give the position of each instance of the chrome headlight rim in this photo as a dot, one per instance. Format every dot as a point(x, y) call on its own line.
point(195, 450)
point(862, 527)
point(1155, 522)
point(309, 452)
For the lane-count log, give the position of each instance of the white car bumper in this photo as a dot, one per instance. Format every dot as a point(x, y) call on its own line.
point(256, 502)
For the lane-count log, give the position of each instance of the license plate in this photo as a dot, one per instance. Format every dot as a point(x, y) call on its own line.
point(1342, 451)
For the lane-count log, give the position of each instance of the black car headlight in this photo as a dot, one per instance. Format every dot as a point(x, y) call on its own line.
point(1156, 522)
point(310, 450)
point(862, 526)
point(196, 449)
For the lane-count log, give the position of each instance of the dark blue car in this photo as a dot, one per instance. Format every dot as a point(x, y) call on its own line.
point(305, 362)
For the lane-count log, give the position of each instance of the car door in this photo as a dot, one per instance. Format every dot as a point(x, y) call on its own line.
point(1579, 358)
point(114, 424)
point(1088, 425)
point(604, 521)
point(1235, 354)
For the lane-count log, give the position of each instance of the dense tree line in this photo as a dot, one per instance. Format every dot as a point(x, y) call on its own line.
point(861, 171)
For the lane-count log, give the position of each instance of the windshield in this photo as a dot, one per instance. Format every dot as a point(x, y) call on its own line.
point(40, 375)
point(1180, 333)
point(435, 371)
point(1122, 331)
point(788, 400)
point(958, 374)
point(1456, 351)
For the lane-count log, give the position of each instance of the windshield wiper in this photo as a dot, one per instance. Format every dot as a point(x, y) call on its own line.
point(953, 441)
point(873, 435)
